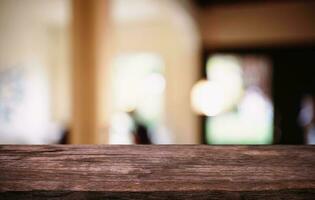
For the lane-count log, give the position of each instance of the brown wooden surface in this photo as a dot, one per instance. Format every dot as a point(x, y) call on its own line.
point(157, 172)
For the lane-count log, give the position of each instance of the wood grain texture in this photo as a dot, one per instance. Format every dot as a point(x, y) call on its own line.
point(157, 172)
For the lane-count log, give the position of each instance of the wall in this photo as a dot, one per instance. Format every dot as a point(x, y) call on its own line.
point(261, 23)
point(33, 38)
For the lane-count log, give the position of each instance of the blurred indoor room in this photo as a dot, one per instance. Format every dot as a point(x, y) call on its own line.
point(157, 72)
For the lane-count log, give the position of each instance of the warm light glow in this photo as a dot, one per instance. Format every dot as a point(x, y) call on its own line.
point(153, 84)
point(137, 76)
point(207, 97)
point(226, 71)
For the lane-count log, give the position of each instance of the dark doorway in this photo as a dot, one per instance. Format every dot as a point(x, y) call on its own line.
point(294, 77)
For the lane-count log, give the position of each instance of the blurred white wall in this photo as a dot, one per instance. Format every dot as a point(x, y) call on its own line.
point(34, 40)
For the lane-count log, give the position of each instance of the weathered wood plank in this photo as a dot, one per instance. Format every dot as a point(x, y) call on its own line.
point(157, 172)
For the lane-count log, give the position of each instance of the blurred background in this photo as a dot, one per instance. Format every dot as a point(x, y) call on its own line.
point(157, 71)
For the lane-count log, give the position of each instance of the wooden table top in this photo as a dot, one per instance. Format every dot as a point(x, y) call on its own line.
point(156, 172)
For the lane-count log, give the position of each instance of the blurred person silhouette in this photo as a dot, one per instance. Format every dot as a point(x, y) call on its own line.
point(141, 131)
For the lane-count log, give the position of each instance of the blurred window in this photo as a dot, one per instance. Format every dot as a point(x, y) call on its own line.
point(237, 101)
point(138, 85)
